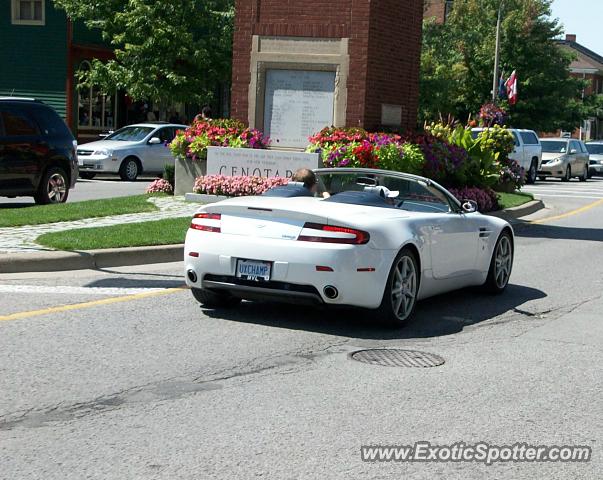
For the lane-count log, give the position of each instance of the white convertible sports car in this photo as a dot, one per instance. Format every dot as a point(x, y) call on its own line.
point(382, 240)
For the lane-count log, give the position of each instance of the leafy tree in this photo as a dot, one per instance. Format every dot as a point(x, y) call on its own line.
point(176, 50)
point(593, 105)
point(458, 59)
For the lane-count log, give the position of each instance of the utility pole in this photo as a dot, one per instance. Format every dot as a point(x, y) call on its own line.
point(497, 53)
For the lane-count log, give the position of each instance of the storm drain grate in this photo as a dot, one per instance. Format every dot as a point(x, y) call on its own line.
point(392, 357)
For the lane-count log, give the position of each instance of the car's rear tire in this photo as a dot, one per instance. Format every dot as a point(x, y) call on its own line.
point(53, 188)
point(532, 172)
point(400, 295)
point(584, 175)
point(568, 174)
point(87, 175)
point(129, 169)
point(214, 299)
point(501, 264)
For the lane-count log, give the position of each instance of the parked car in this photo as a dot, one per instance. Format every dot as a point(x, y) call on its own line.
point(129, 151)
point(382, 240)
point(564, 158)
point(595, 151)
point(37, 152)
point(528, 151)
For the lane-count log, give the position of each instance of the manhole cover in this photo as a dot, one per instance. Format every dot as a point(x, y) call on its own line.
point(391, 357)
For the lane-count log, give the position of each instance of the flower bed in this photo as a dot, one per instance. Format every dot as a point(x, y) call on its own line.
point(159, 185)
point(236, 186)
point(486, 198)
point(449, 155)
point(355, 147)
point(192, 143)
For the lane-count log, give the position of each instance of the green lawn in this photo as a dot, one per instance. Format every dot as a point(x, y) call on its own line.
point(158, 232)
point(64, 212)
point(508, 200)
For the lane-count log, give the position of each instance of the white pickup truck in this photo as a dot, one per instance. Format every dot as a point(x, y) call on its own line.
point(528, 151)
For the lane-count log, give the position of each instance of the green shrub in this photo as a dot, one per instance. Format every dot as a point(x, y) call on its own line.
point(169, 172)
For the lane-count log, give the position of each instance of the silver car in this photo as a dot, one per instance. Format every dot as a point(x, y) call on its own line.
point(595, 150)
point(563, 158)
point(129, 151)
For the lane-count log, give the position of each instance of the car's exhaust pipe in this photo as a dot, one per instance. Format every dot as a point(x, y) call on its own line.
point(192, 276)
point(330, 292)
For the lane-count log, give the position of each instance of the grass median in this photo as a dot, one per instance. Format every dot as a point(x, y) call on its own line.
point(510, 200)
point(164, 232)
point(65, 212)
point(157, 232)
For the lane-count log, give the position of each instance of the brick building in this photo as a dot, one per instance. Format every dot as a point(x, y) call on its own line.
point(42, 51)
point(373, 46)
point(588, 66)
point(437, 10)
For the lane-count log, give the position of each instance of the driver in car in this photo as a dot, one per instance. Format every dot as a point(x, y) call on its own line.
point(303, 184)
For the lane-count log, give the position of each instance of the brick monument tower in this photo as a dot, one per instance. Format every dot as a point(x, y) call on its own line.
point(301, 65)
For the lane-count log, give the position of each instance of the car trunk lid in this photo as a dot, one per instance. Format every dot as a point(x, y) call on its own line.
point(284, 218)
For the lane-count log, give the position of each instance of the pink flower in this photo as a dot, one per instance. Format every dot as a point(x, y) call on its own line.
point(159, 185)
point(235, 186)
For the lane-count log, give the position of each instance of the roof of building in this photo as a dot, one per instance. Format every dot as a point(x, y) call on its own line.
point(587, 59)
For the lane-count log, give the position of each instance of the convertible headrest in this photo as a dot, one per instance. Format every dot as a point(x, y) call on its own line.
point(383, 192)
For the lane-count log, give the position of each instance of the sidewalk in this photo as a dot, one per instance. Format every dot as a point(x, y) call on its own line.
point(22, 239)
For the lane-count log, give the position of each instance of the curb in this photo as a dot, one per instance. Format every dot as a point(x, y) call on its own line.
point(91, 259)
point(517, 212)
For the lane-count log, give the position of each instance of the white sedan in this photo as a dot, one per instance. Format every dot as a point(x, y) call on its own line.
point(129, 151)
point(382, 240)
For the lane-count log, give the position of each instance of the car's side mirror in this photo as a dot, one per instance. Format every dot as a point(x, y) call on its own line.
point(469, 206)
point(573, 150)
point(155, 141)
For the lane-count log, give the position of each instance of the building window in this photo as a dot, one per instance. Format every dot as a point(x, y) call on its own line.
point(95, 109)
point(28, 12)
point(447, 9)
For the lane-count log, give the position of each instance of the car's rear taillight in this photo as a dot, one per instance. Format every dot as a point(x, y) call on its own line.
point(315, 232)
point(207, 222)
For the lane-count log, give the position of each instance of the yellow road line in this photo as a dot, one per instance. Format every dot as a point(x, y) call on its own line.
point(570, 213)
point(94, 303)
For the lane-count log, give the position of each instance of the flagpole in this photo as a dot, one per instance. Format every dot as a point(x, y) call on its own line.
point(497, 54)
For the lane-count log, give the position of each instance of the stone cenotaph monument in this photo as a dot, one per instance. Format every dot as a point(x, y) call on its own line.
point(299, 66)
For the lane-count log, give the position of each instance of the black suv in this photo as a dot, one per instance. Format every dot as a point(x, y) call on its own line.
point(37, 152)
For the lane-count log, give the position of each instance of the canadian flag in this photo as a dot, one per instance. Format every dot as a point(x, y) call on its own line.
point(511, 85)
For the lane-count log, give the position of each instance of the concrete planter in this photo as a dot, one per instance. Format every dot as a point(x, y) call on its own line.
point(186, 173)
point(204, 198)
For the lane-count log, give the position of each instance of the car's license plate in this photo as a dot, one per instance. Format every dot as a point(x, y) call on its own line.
point(253, 270)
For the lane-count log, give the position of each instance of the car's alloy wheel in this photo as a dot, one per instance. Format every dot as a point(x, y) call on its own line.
point(532, 173)
point(129, 170)
point(568, 174)
point(501, 264)
point(400, 296)
point(53, 187)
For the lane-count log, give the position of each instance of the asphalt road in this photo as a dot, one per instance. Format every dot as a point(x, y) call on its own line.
point(102, 186)
point(120, 375)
